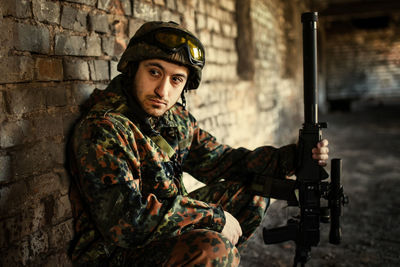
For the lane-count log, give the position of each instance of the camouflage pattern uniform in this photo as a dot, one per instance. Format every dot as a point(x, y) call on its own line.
point(129, 202)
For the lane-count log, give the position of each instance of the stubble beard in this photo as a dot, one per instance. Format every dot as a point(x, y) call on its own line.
point(148, 105)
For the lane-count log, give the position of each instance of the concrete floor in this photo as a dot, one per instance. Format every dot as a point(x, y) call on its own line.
point(368, 141)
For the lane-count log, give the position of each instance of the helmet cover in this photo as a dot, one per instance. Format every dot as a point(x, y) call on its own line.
point(139, 50)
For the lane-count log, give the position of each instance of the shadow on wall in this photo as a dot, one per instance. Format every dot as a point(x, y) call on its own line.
point(52, 56)
point(34, 204)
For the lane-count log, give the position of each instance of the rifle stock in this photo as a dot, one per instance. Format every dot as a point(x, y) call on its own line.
point(305, 230)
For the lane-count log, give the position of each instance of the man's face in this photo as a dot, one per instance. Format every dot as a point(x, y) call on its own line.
point(158, 85)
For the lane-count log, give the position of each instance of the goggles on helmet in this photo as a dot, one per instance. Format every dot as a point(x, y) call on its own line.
point(173, 40)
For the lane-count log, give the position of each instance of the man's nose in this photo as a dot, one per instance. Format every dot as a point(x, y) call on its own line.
point(163, 87)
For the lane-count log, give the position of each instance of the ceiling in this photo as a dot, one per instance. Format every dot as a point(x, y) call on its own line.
point(355, 8)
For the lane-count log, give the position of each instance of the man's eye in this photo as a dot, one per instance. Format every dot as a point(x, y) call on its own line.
point(177, 79)
point(154, 72)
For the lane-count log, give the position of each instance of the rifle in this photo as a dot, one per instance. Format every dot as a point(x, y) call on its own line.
point(310, 185)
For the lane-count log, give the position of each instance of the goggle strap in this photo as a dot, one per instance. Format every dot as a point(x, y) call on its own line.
point(150, 39)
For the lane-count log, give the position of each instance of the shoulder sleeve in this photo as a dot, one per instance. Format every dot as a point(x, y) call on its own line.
point(208, 160)
point(109, 181)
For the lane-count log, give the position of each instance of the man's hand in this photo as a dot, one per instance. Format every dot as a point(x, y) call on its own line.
point(232, 230)
point(320, 152)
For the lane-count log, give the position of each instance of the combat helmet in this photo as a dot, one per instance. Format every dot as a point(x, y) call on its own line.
point(168, 41)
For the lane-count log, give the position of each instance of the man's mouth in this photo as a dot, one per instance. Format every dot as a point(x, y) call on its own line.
point(157, 101)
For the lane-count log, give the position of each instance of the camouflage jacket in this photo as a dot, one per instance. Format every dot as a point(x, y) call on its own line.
point(127, 191)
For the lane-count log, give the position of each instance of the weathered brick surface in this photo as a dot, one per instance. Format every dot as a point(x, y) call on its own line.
point(44, 185)
point(48, 69)
point(362, 63)
point(59, 258)
point(32, 38)
point(37, 158)
point(3, 112)
point(99, 23)
point(159, 2)
point(25, 223)
point(86, 2)
point(14, 133)
point(127, 7)
point(55, 95)
point(180, 6)
point(17, 8)
point(46, 11)
point(12, 198)
point(74, 19)
point(108, 45)
point(134, 25)
point(18, 69)
point(62, 211)
point(170, 4)
point(55, 53)
point(24, 98)
point(103, 4)
point(166, 15)
point(93, 46)
point(121, 39)
point(145, 11)
point(58, 233)
point(6, 37)
point(76, 69)
point(47, 126)
point(228, 5)
point(70, 45)
point(213, 24)
point(81, 92)
point(114, 72)
point(34, 97)
point(99, 70)
point(5, 168)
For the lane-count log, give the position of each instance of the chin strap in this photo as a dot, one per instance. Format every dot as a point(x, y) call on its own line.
point(183, 98)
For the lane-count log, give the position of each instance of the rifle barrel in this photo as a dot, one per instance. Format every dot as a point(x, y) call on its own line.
point(309, 21)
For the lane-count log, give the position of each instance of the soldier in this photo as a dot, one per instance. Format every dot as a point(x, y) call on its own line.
point(127, 154)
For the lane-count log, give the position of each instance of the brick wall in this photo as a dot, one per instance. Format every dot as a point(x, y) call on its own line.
point(278, 77)
point(54, 53)
point(362, 56)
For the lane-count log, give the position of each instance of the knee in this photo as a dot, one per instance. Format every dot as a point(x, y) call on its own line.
point(219, 250)
point(208, 248)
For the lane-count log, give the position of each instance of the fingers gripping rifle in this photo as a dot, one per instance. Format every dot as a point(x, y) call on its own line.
point(304, 230)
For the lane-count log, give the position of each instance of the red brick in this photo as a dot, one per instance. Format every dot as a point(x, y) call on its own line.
point(49, 69)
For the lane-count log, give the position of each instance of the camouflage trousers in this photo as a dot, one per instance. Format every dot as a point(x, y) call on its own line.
point(202, 247)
